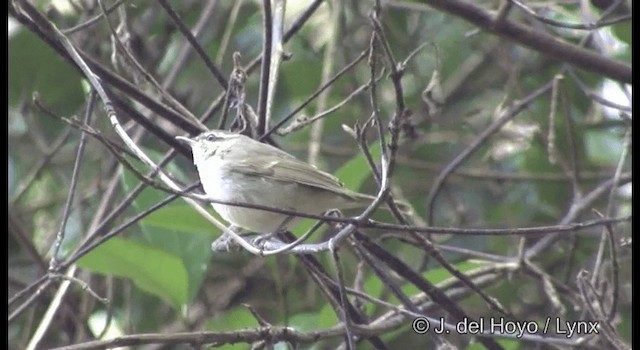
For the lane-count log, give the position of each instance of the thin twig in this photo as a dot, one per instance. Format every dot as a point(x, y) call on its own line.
point(92, 20)
point(551, 138)
point(328, 63)
point(348, 331)
point(595, 96)
point(235, 89)
point(399, 267)
point(578, 26)
point(228, 29)
point(277, 53)
point(543, 43)
point(505, 117)
point(73, 184)
point(610, 202)
point(302, 122)
point(386, 279)
point(192, 39)
point(217, 72)
point(267, 41)
point(52, 150)
point(615, 268)
point(108, 106)
point(316, 93)
point(571, 215)
point(55, 303)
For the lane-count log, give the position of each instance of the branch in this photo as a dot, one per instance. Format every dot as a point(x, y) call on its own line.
point(543, 43)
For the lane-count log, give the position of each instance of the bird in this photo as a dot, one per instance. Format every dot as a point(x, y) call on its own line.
point(236, 168)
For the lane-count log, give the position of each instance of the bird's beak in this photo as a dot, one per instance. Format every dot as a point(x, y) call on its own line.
point(186, 140)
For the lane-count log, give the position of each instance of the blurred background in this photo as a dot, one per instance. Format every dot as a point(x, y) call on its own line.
point(562, 157)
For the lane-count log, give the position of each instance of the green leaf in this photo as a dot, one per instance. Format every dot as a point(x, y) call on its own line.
point(623, 32)
point(175, 228)
point(326, 317)
point(438, 275)
point(149, 196)
point(192, 248)
point(34, 67)
point(182, 218)
point(234, 319)
point(152, 270)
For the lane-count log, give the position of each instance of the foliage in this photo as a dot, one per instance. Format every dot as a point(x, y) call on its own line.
point(493, 132)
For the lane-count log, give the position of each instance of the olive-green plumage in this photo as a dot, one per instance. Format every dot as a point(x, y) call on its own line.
point(234, 167)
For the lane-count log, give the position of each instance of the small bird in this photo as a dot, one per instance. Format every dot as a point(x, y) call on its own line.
point(236, 168)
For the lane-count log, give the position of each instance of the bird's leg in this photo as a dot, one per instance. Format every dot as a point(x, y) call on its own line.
point(336, 226)
point(334, 213)
point(225, 242)
point(268, 236)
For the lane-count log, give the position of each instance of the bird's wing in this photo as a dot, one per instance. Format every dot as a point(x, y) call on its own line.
point(290, 170)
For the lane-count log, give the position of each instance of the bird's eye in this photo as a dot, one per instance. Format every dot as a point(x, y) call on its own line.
point(212, 138)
